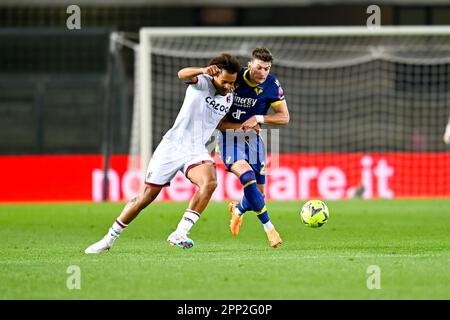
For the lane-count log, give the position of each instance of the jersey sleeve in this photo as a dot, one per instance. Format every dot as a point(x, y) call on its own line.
point(276, 93)
point(201, 83)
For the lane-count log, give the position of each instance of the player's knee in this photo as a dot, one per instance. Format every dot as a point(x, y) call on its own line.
point(209, 185)
point(247, 176)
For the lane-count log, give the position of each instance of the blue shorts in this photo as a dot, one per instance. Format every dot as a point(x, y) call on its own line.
point(234, 146)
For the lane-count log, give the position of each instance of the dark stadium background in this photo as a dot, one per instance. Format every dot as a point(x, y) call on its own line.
point(62, 93)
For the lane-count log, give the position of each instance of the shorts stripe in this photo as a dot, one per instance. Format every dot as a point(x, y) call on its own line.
point(157, 185)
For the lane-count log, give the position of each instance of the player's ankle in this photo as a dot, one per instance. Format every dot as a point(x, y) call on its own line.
point(268, 226)
point(109, 240)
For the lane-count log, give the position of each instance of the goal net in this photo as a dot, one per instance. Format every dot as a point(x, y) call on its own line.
point(368, 108)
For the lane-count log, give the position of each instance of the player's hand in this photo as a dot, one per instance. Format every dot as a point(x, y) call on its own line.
point(251, 124)
point(212, 70)
point(257, 128)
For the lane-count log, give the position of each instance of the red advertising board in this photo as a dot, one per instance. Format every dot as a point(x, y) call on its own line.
point(296, 176)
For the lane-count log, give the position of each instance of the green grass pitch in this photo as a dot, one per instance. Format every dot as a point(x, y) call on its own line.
point(409, 240)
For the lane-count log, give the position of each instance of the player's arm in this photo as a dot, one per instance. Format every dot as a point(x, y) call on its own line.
point(226, 124)
point(189, 74)
point(446, 136)
point(279, 117)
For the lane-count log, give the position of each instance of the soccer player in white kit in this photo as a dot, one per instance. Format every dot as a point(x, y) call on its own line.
point(208, 99)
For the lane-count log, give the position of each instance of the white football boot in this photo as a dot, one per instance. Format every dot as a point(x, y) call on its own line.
point(180, 240)
point(99, 247)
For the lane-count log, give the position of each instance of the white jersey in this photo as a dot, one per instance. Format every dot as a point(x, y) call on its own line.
point(202, 110)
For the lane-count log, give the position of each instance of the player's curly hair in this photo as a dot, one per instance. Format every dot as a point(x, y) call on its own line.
point(227, 62)
point(262, 54)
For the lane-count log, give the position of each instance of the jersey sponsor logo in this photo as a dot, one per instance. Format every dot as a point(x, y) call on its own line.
point(216, 106)
point(237, 114)
point(258, 90)
point(244, 102)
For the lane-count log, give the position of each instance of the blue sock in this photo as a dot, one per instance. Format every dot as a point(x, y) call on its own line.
point(263, 216)
point(244, 205)
point(254, 197)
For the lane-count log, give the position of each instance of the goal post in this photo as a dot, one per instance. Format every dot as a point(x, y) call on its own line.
point(351, 92)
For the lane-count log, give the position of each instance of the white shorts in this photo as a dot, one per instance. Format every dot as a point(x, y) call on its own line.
point(167, 159)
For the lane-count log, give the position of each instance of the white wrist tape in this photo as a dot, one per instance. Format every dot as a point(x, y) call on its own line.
point(260, 118)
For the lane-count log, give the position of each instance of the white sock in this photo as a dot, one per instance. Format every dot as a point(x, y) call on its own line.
point(237, 211)
point(268, 226)
point(115, 231)
point(190, 217)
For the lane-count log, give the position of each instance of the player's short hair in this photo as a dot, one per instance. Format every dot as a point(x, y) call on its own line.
point(226, 62)
point(262, 54)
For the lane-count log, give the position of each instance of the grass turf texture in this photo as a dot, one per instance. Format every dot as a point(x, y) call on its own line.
point(407, 239)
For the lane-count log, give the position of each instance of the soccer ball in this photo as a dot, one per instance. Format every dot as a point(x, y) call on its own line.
point(314, 213)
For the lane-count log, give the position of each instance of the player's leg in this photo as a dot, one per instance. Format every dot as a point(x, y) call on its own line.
point(262, 189)
point(203, 175)
point(273, 236)
point(161, 169)
point(244, 205)
point(238, 168)
point(245, 158)
point(138, 203)
point(130, 211)
point(260, 171)
point(231, 151)
point(254, 198)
